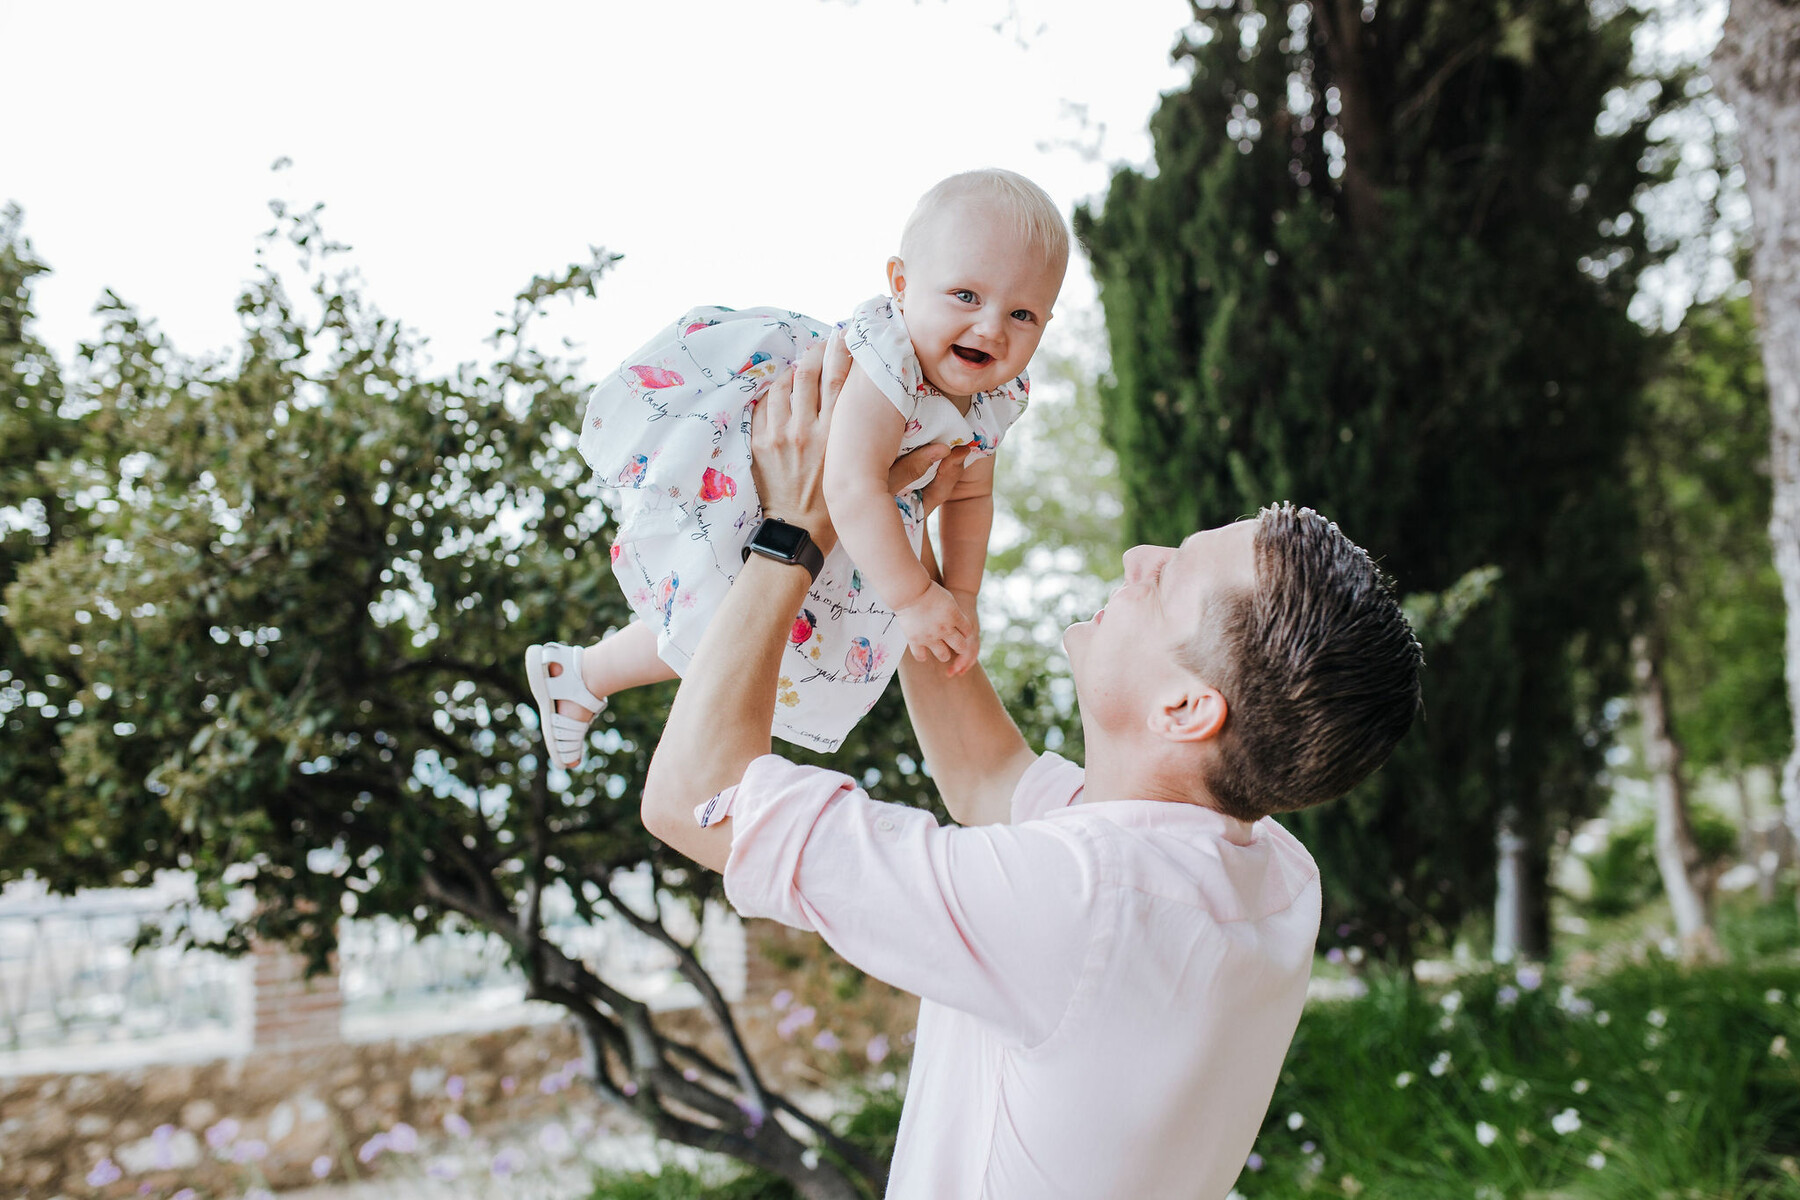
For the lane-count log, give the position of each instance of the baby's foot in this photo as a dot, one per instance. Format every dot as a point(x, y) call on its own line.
point(591, 678)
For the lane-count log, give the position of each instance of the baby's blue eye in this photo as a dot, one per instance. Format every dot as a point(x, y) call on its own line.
point(965, 295)
point(1023, 314)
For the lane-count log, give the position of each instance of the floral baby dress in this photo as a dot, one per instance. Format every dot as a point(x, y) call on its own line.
point(671, 431)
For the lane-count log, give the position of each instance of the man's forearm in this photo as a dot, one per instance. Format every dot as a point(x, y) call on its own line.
point(720, 720)
point(975, 752)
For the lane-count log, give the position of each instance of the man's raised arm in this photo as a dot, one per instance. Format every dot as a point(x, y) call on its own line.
point(974, 751)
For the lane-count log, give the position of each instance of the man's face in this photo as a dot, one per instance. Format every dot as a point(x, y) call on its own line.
point(1126, 651)
point(975, 297)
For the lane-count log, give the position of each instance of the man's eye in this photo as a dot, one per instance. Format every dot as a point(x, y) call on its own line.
point(965, 295)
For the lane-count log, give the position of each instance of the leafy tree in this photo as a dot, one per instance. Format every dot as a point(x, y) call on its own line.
point(277, 608)
point(34, 433)
point(1708, 647)
point(1382, 268)
point(1704, 464)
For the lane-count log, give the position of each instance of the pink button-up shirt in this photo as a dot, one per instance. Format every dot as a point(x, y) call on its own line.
point(1108, 990)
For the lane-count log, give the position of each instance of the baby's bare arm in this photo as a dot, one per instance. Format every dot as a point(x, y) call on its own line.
point(865, 437)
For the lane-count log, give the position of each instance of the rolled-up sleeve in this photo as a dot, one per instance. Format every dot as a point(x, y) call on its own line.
point(996, 921)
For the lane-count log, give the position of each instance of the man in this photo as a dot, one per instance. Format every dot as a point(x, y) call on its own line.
point(1111, 963)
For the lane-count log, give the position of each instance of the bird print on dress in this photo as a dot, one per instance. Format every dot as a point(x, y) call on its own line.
point(864, 659)
point(665, 595)
point(633, 473)
point(657, 377)
point(716, 485)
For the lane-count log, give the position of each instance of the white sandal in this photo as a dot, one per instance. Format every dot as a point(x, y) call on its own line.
point(565, 736)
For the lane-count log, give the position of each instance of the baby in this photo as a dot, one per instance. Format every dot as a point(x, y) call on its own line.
point(940, 359)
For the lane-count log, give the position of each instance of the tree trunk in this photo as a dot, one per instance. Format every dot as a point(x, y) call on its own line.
point(1677, 855)
point(1510, 918)
point(1757, 67)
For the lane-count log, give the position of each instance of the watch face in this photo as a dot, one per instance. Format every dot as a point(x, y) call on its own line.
point(784, 540)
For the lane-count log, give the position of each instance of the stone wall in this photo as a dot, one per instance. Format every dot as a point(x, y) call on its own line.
point(274, 1119)
point(286, 1115)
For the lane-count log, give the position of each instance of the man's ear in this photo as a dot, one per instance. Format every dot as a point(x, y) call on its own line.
point(896, 277)
point(1195, 712)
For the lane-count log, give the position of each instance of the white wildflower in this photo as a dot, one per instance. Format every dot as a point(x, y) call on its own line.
point(1657, 1017)
point(1566, 1122)
point(1579, 1087)
point(1489, 1082)
point(1778, 1048)
point(1451, 1002)
point(1603, 1017)
point(1295, 1120)
point(1440, 1064)
point(1774, 996)
point(1485, 1133)
point(1596, 1160)
point(1403, 1079)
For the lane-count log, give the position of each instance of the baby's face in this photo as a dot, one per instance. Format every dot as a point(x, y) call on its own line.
point(976, 297)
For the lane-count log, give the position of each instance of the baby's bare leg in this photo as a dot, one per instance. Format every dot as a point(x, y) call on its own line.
point(623, 659)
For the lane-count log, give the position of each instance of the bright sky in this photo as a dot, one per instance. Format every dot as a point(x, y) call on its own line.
point(736, 152)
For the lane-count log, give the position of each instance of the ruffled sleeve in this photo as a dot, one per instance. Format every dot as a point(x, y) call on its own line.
point(878, 342)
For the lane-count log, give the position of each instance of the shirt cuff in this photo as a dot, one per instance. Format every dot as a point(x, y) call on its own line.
point(715, 809)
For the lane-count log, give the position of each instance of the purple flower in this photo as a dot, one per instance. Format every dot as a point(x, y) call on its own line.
point(1507, 996)
point(509, 1085)
point(457, 1124)
point(552, 1084)
point(250, 1150)
point(781, 999)
point(1529, 978)
point(1335, 954)
point(506, 1162)
point(165, 1157)
point(403, 1138)
point(1343, 931)
point(1307, 1147)
point(909, 1037)
point(878, 1049)
point(827, 1041)
point(371, 1149)
point(1254, 1162)
point(690, 1074)
point(183, 1194)
point(453, 1087)
point(321, 1166)
point(443, 1168)
point(223, 1133)
point(630, 1088)
point(105, 1171)
point(791, 1024)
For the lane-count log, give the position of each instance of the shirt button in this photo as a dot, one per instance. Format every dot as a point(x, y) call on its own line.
point(884, 824)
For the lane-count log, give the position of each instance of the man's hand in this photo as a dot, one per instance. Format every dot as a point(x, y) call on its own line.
point(787, 440)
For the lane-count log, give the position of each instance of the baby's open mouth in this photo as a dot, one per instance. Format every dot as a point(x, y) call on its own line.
point(975, 358)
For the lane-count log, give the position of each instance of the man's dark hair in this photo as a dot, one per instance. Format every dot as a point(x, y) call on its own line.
point(1318, 666)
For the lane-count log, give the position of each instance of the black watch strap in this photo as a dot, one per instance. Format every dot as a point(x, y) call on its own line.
point(785, 543)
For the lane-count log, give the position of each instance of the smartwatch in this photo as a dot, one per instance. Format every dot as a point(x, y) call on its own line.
point(785, 543)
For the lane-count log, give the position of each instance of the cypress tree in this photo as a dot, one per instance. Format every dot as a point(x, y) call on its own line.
point(1381, 268)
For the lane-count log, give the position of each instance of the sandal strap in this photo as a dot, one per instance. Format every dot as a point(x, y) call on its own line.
point(567, 684)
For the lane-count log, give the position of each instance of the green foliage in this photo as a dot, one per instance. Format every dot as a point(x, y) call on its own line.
point(36, 436)
point(1625, 874)
point(871, 1123)
point(1677, 1079)
point(1391, 284)
point(1700, 465)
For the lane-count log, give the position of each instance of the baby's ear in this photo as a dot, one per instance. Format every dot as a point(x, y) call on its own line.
point(896, 277)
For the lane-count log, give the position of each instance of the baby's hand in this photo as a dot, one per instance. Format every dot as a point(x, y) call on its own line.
point(935, 627)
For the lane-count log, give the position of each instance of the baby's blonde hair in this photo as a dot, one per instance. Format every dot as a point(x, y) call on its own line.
point(1039, 222)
